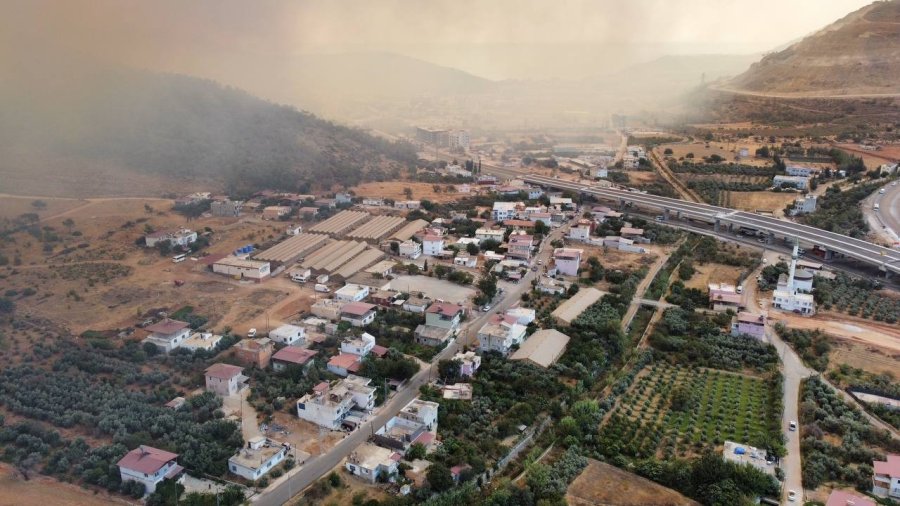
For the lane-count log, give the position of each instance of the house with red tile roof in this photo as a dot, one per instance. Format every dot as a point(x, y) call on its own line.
point(225, 379)
point(149, 466)
point(344, 364)
point(167, 334)
point(886, 477)
point(359, 314)
point(292, 356)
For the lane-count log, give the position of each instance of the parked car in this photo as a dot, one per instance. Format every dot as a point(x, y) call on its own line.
point(792, 495)
point(251, 333)
point(792, 425)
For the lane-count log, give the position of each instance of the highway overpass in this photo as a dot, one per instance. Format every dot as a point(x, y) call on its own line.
point(725, 219)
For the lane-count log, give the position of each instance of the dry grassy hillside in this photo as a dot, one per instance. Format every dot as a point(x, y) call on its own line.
point(857, 55)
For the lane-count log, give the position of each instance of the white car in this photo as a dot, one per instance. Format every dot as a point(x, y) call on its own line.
point(792, 426)
point(881, 191)
point(792, 495)
point(251, 333)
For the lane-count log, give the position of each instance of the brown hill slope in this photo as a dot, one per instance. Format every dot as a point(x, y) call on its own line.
point(857, 55)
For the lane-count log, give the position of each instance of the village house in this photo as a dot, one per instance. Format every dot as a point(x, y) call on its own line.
point(490, 234)
point(562, 203)
point(581, 231)
point(416, 304)
point(886, 477)
point(167, 334)
point(432, 245)
point(503, 211)
point(276, 212)
point(373, 201)
point(351, 293)
point(552, 286)
point(723, 297)
point(225, 379)
point(328, 406)
point(288, 334)
point(308, 212)
point(469, 363)
point(804, 205)
point(749, 324)
point(567, 260)
point(359, 314)
point(226, 208)
point(292, 356)
point(178, 238)
point(500, 334)
point(374, 282)
point(457, 391)
point(371, 462)
point(254, 352)
point(545, 218)
point(466, 261)
point(206, 341)
point(257, 458)
point(344, 364)
point(523, 315)
point(329, 309)
point(410, 249)
point(149, 466)
point(441, 322)
point(407, 204)
point(519, 246)
point(416, 423)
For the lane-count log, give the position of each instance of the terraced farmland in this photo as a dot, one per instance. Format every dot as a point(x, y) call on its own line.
point(678, 411)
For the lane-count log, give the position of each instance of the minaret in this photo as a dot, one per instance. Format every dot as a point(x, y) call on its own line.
point(794, 256)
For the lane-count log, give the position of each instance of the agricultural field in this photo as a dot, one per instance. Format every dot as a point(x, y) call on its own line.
point(773, 202)
point(439, 193)
point(677, 411)
point(727, 150)
point(857, 298)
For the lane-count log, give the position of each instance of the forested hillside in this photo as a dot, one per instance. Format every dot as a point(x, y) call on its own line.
point(181, 127)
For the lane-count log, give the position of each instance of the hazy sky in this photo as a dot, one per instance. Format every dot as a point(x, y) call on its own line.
point(496, 39)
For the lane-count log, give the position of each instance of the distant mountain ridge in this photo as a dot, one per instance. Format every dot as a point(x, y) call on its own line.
point(856, 55)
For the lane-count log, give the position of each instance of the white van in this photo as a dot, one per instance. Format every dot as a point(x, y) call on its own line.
point(322, 288)
point(876, 207)
point(179, 258)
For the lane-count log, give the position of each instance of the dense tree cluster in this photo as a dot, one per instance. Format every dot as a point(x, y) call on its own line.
point(838, 210)
point(857, 297)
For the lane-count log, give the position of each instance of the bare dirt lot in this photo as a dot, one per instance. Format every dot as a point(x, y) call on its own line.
point(90, 274)
point(14, 491)
point(865, 332)
point(713, 273)
point(760, 201)
point(305, 436)
point(395, 190)
point(866, 357)
point(606, 485)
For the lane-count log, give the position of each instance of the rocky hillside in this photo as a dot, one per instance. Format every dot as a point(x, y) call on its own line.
point(857, 55)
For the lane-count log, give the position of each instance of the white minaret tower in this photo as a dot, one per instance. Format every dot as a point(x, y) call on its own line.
point(794, 256)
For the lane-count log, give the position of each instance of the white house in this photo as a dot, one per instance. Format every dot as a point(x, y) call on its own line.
point(580, 231)
point(288, 334)
point(567, 260)
point(801, 183)
point(523, 315)
point(519, 245)
point(370, 462)
point(441, 322)
point(351, 293)
point(290, 356)
point(201, 341)
point(500, 334)
point(257, 458)
point(503, 211)
point(361, 345)
point(328, 406)
point(469, 363)
point(804, 205)
point(167, 334)
point(359, 314)
point(415, 423)
point(181, 237)
point(148, 466)
point(432, 245)
point(886, 477)
point(490, 234)
point(801, 170)
point(466, 261)
point(225, 379)
point(410, 249)
point(562, 203)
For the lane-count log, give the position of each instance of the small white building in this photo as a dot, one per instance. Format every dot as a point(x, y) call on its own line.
point(149, 466)
point(804, 205)
point(580, 231)
point(415, 423)
point(802, 170)
point(181, 237)
point(242, 268)
point(225, 379)
point(466, 261)
point(360, 346)
point(351, 293)
point(433, 245)
point(410, 249)
point(567, 260)
point(370, 462)
point(206, 341)
point(167, 334)
point(359, 314)
point(290, 335)
point(503, 211)
point(257, 458)
point(490, 234)
point(798, 182)
point(523, 315)
point(469, 363)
